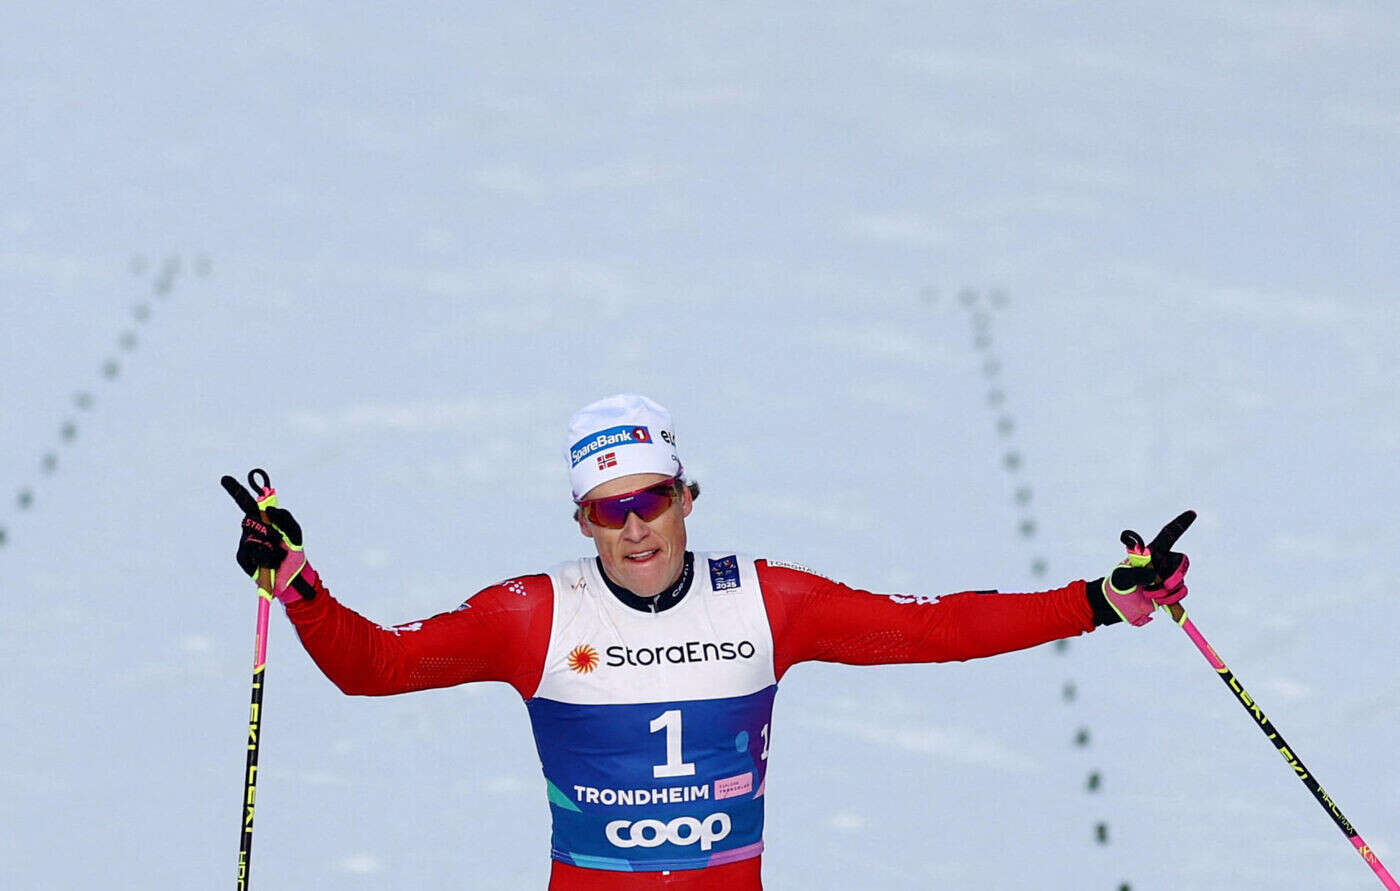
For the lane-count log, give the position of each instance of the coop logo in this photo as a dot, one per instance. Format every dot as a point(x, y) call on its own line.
point(606, 439)
point(583, 659)
point(680, 831)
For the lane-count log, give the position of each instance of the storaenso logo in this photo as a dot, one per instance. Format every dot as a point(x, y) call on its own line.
point(679, 654)
point(680, 831)
point(606, 439)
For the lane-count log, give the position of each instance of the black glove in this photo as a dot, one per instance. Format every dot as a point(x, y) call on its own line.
point(266, 545)
point(1152, 575)
point(274, 545)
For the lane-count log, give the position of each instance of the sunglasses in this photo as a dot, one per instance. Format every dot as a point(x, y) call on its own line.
point(647, 503)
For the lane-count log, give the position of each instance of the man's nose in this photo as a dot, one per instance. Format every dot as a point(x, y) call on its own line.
point(635, 529)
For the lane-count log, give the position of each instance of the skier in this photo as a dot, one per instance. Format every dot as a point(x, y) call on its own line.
point(649, 670)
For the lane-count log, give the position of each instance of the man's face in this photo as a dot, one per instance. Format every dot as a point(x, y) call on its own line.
point(645, 558)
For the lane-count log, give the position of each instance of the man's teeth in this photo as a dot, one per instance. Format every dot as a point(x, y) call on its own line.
point(642, 556)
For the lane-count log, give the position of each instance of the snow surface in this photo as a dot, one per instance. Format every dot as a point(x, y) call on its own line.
point(410, 242)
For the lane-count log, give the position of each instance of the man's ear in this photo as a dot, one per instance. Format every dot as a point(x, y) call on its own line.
point(584, 527)
point(687, 503)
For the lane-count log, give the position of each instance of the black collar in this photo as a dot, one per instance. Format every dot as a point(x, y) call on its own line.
point(661, 602)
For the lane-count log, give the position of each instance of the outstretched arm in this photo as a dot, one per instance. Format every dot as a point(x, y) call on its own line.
point(500, 634)
point(816, 619)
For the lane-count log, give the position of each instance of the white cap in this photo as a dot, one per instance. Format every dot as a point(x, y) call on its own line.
point(617, 436)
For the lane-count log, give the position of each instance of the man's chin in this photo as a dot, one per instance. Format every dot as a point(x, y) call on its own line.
point(645, 580)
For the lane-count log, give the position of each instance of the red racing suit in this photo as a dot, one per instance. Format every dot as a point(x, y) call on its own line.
point(503, 633)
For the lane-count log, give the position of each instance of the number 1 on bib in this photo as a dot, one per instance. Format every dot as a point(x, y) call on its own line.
point(674, 767)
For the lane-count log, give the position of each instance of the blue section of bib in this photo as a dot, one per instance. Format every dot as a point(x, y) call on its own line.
point(659, 785)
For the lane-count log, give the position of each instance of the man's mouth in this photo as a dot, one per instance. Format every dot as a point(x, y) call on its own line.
point(642, 556)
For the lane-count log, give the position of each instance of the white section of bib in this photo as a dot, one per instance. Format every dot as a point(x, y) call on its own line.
point(683, 653)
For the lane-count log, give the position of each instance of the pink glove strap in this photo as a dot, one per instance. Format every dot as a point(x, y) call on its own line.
point(293, 564)
point(1174, 586)
point(1134, 606)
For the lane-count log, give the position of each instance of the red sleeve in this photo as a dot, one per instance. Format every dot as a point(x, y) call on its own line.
point(816, 619)
point(500, 634)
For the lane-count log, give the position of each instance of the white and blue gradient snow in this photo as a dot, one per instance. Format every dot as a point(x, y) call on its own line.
point(434, 232)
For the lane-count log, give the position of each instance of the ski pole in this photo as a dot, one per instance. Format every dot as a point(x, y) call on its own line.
point(267, 497)
point(1179, 616)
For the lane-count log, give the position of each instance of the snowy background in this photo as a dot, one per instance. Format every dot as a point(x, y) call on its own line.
point(384, 255)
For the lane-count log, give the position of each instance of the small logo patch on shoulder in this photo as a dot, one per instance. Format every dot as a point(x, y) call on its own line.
point(724, 573)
